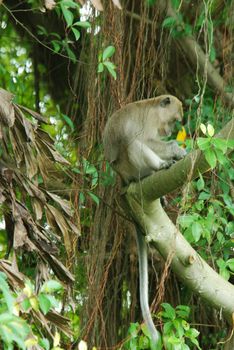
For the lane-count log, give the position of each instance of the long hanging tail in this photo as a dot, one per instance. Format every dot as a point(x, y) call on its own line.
point(143, 281)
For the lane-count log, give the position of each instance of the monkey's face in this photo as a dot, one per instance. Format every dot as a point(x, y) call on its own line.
point(170, 111)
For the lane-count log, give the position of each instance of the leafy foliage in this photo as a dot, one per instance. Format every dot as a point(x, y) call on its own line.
point(17, 309)
point(42, 227)
point(177, 333)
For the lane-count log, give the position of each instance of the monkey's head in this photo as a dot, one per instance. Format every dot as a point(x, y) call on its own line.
point(169, 110)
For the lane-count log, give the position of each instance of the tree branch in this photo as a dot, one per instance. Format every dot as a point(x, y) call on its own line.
point(187, 169)
point(145, 207)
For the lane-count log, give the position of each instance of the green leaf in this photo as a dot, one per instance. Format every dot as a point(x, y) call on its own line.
point(169, 22)
point(111, 68)
point(83, 24)
point(210, 130)
point(56, 45)
point(220, 144)
point(211, 157)
point(192, 333)
point(71, 54)
point(187, 220)
point(196, 231)
point(26, 304)
point(53, 301)
point(230, 143)
point(183, 311)
point(230, 264)
point(42, 30)
point(108, 52)
point(175, 4)
point(225, 273)
point(133, 329)
point(179, 328)
point(69, 3)
point(145, 330)
point(175, 341)
point(169, 311)
point(6, 292)
point(51, 286)
point(168, 328)
point(44, 343)
point(143, 342)
point(100, 67)
point(13, 329)
point(68, 15)
point(185, 347)
point(200, 183)
point(221, 158)
point(204, 196)
point(56, 35)
point(44, 303)
point(68, 121)
point(94, 197)
point(185, 325)
point(212, 54)
point(90, 168)
point(76, 33)
point(203, 143)
point(221, 263)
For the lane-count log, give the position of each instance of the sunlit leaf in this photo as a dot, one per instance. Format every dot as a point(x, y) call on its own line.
point(34, 303)
point(83, 24)
point(108, 52)
point(82, 345)
point(203, 128)
point(56, 341)
point(210, 130)
point(51, 286)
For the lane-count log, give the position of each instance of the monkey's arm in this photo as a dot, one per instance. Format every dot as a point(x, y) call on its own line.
point(144, 159)
point(167, 150)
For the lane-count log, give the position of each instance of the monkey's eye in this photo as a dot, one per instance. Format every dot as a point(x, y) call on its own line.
point(166, 101)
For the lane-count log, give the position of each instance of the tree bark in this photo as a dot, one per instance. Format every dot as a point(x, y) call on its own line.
point(144, 205)
point(187, 169)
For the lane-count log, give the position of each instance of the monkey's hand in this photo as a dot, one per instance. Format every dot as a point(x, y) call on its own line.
point(179, 152)
point(166, 164)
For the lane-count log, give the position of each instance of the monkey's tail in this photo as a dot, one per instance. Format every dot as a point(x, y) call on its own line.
point(143, 281)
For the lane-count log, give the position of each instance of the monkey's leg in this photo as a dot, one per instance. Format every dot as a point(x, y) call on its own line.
point(143, 279)
point(144, 159)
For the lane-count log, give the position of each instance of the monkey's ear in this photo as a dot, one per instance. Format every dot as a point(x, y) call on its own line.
point(166, 101)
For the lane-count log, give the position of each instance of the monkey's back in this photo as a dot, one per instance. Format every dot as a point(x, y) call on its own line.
point(129, 133)
point(124, 126)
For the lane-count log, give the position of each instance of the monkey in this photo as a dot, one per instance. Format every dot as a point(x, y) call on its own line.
point(134, 147)
point(132, 137)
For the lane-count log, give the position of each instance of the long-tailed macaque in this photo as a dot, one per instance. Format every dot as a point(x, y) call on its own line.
point(134, 148)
